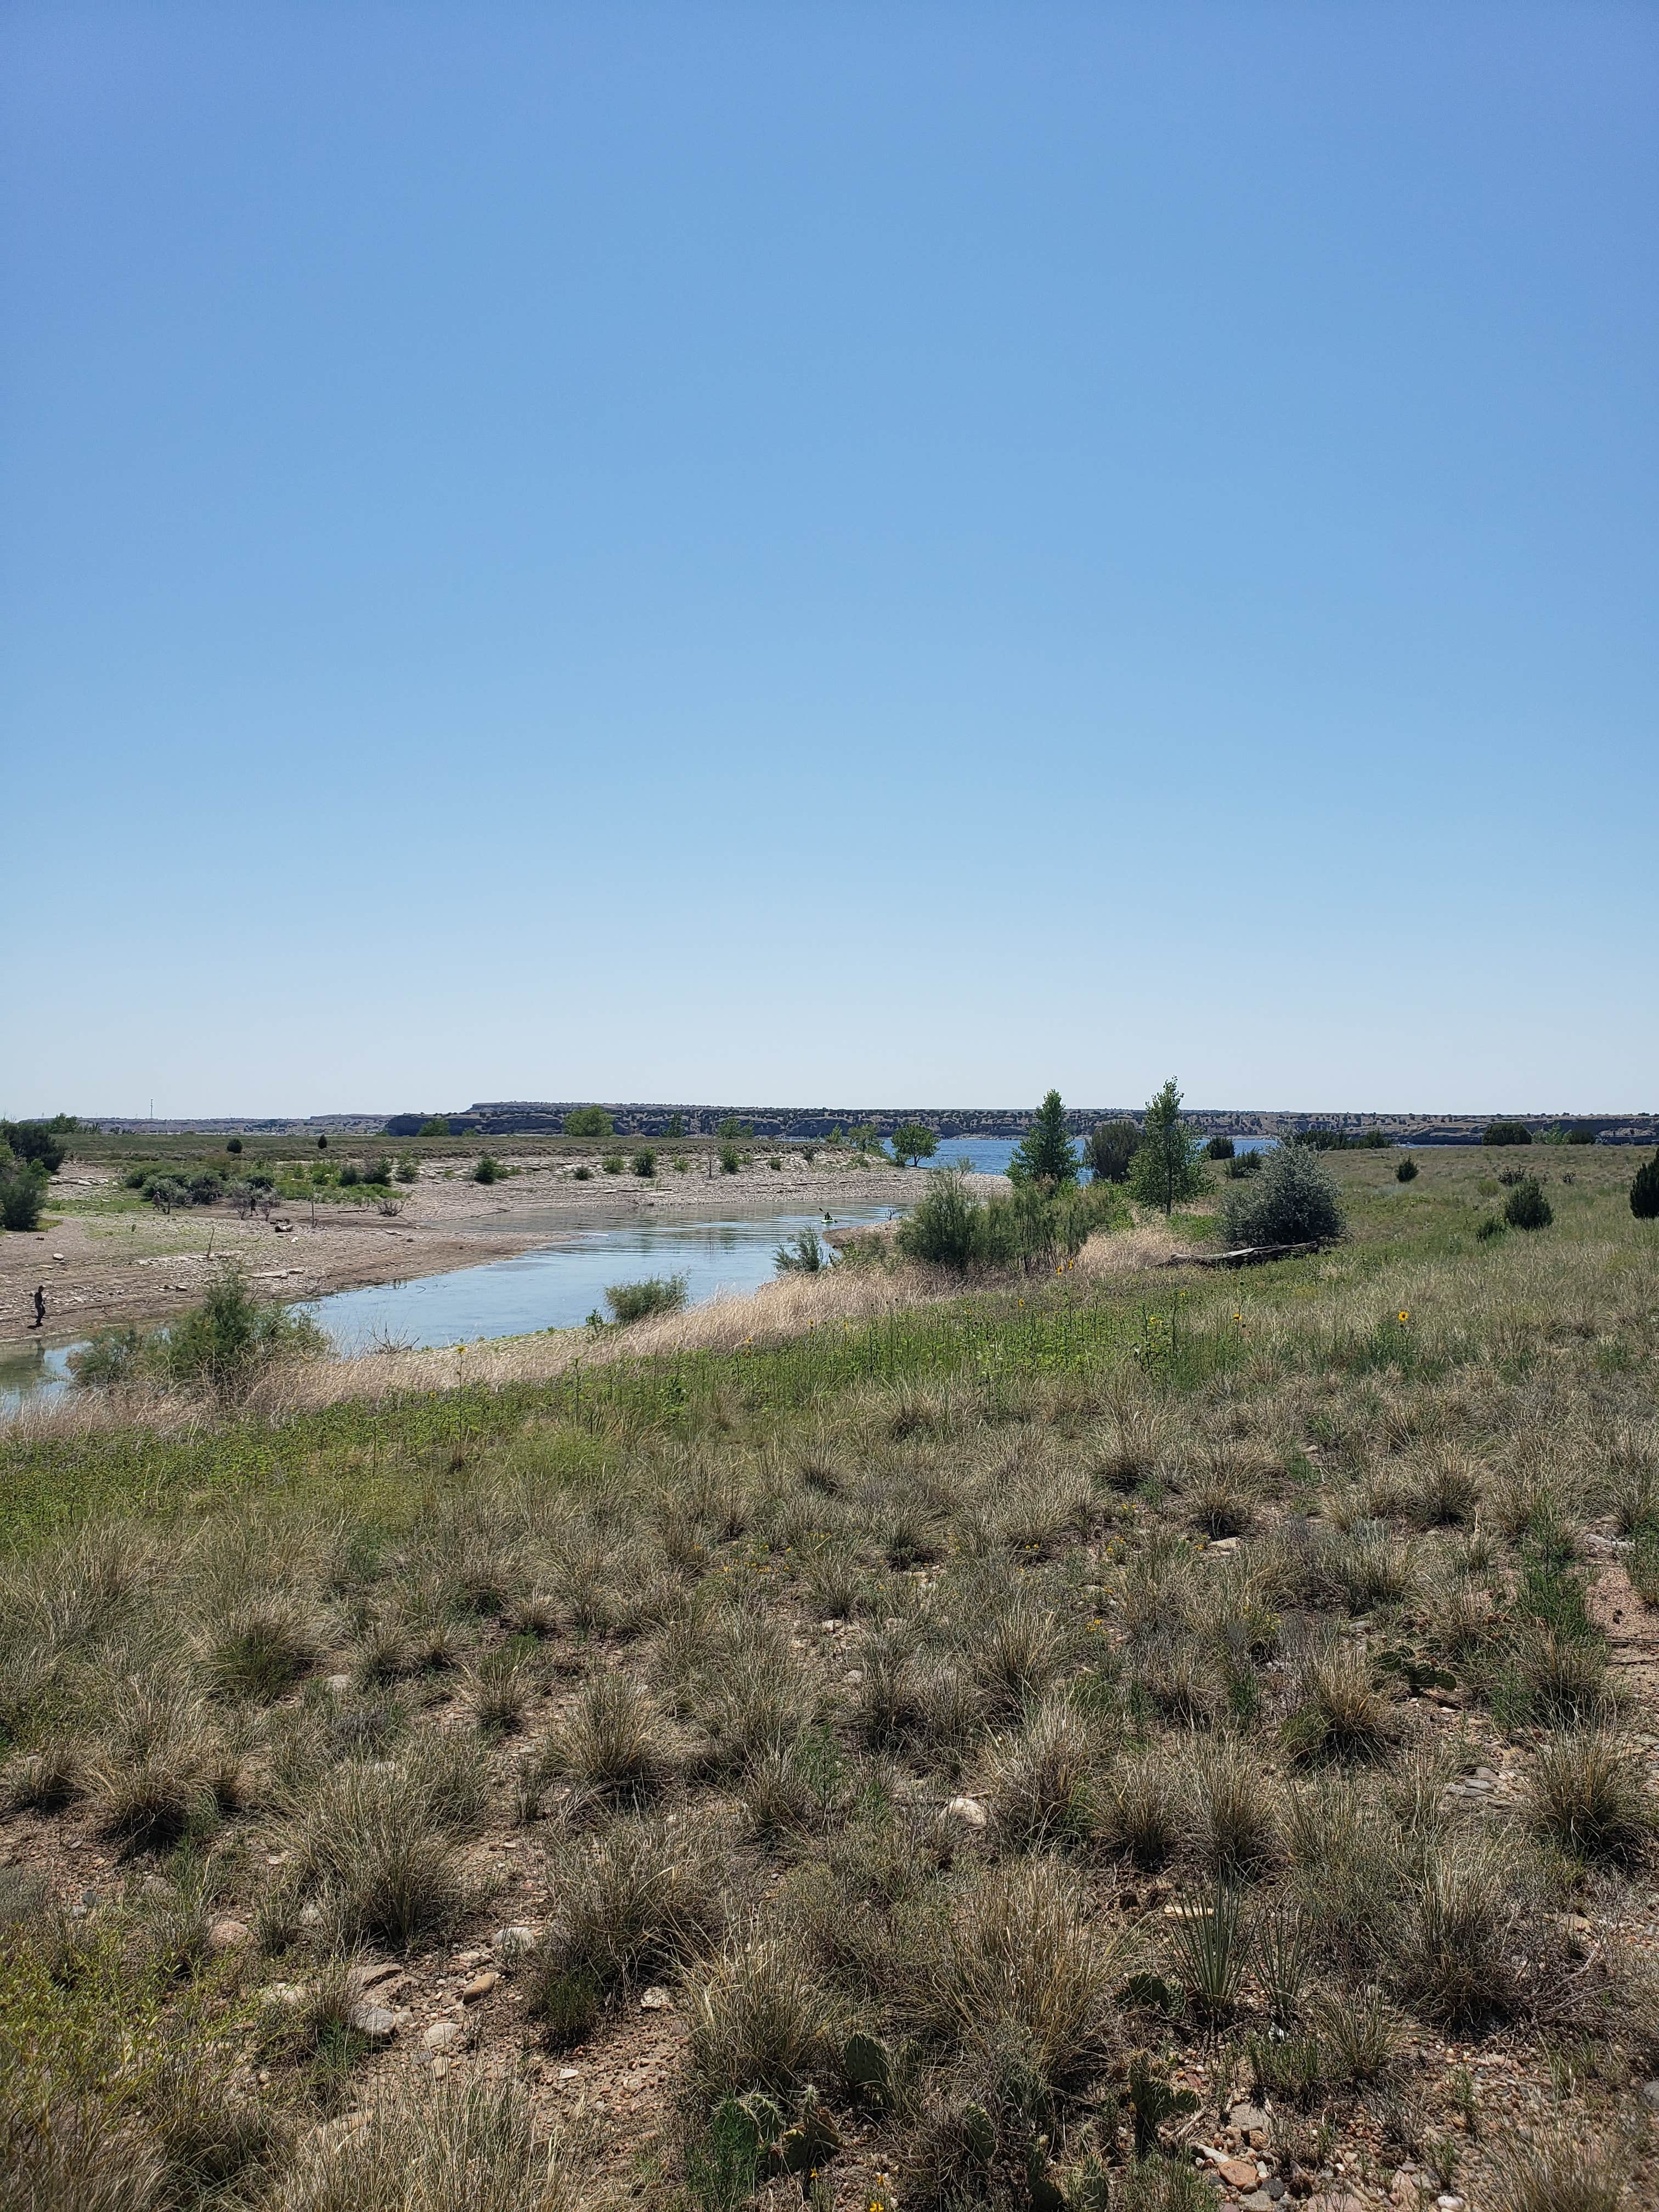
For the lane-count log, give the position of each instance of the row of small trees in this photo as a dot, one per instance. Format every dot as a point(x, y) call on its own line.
point(1160, 1162)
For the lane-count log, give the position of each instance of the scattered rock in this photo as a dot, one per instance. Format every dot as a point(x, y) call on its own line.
point(479, 1986)
point(153, 1885)
point(227, 1935)
point(378, 2024)
point(1238, 2173)
point(1257, 2201)
point(968, 1810)
point(288, 1993)
point(853, 1677)
point(311, 1916)
point(513, 1943)
point(1335, 2200)
point(1247, 2119)
point(442, 2035)
point(656, 2000)
point(339, 1684)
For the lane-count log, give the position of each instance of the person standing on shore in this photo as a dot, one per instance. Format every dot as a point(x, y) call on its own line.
point(40, 1306)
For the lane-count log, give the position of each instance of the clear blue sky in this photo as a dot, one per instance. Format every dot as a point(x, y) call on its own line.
point(861, 553)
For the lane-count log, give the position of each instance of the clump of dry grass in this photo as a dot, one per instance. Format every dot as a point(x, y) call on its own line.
point(451, 2147)
point(756, 2017)
point(615, 1742)
point(1590, 1793)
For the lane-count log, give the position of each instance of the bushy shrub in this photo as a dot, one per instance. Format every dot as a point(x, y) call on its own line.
point(589, 1121)
point(224, 1344)
point(350, 1175)
point(1293, 1200)
point(1407, 1170)
point(408, 1169)
point(1489, 1226)
point(1242, 1165)
point(1110, 1148)
point(645, 1162)
point(22, 1189)
point(804, 1254)
point(1506, 1132)
point(1218, 1148)
point(39, 1143)
point(729, 1161)
point(612, 1163)
point(1644, 1191)
point(1036, 1224)
point(112, 1357)
point(488, 1170)
point(1526, 1206)
point(656, 1294)
point(232, 1144)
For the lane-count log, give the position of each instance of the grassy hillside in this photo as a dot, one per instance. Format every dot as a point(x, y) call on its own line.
point(1168, 1740)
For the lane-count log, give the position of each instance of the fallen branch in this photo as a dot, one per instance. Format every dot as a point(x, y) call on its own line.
point(1246, 1255)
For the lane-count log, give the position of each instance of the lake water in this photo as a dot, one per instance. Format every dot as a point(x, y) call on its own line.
point(556, 1285)
point(991, 1155)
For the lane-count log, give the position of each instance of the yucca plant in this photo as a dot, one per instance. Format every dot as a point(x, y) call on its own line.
point(1209, 1949)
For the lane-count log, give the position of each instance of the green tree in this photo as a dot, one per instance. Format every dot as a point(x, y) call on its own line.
point(1644, 1191)
point(675, 1125)
point(1166, 1166)
point(34, 1142)
point(1044, 1153)
point(437, 1127)
point(732, 1129)
point(1506, 1132)
point(913, 1141)
point(1111, 1148)
point(588, 1121)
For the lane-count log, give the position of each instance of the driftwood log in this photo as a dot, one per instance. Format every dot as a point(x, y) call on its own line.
point(1247, 1255)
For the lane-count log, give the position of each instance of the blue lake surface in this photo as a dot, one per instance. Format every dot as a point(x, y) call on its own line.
point(558, 1284)
point(991, 1155)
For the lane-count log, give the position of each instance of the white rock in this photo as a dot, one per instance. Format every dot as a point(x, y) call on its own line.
point(656, 2000)
point(227, 1935)
point(513, 1943)
point(443, 2035)
point(968, 1810)
point(339, 1684)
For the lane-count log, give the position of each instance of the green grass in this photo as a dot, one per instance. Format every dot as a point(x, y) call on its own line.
point(719, 1639)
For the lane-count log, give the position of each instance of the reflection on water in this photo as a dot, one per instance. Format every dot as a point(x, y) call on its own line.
point(38, 1371)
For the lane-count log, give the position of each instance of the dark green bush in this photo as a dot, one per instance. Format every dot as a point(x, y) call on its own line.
point(1293, 1201)
point(408, 1169)
point(350, 1177)
point(729, 1160)
point(1506, 1132)
point(1526, 1206)
point(22, 1189)
point(39, 1143)
point(1218, 1148)
point(488, 1170)
point(1490, 1225)
point(1644, 1191)
point(645, 1162)
point(1407, 1170)
point(232, 1144)
point(1110, 1148)
point(656, 1294)
point(1245, 1164)
point(206, 1186)
point(589, 1121)
point(612, 1163)
point(1165, 1167)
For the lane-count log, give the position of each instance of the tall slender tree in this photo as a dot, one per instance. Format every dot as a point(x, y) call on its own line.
point(1045, 1153)
point(1166, 1166)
